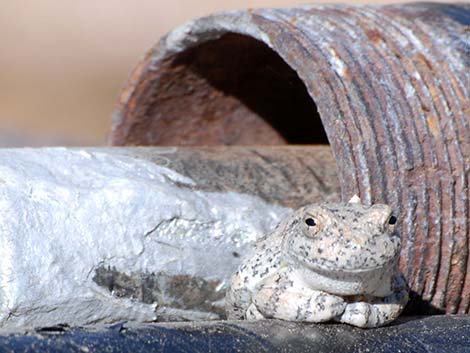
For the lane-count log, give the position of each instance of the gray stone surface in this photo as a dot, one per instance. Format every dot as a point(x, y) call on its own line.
point(101, 235)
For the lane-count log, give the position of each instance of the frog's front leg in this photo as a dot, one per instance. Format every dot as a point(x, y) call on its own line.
point(238, 299)
point(377, 311)
point(282, 297)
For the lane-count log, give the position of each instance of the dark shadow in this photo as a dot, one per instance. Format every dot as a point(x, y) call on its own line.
point(247, 69)
point(417, 306)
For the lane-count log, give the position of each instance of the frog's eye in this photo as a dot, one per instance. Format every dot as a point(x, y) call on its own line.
point(392, 220)
point(312, 226)
point(311, 222)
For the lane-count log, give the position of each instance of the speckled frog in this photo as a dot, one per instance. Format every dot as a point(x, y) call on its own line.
point(324, 262)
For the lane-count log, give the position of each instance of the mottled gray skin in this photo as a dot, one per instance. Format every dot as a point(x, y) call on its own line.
point(324, 262)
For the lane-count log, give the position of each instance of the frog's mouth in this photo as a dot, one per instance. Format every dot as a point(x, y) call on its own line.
point(374, 281)
point(325, 266)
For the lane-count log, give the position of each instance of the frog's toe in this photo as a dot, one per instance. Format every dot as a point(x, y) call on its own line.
point(356, 314)
point(252, 313)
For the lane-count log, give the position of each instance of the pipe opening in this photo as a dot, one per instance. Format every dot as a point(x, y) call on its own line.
point(234, 90)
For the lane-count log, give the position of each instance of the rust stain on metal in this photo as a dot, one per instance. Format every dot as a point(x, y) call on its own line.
point(374, 35)
point(388, 87)
point(433, 125)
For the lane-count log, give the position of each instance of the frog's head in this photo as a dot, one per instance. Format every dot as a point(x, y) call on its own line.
point(344, 248)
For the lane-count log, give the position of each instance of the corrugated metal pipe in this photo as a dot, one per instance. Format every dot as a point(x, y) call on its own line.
point(388, 87)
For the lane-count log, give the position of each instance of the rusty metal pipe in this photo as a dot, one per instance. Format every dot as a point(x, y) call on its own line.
point(390, 85)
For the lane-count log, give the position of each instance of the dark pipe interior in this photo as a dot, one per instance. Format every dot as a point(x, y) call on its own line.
point(245, 68)
point(234, 90)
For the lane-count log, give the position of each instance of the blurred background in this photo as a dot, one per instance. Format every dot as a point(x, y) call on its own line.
point(63, 62)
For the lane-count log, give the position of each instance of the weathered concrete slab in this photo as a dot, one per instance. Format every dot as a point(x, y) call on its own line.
point(101, 235)
point(426, 334)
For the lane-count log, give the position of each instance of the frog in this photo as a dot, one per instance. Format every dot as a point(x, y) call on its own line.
point(324, 262)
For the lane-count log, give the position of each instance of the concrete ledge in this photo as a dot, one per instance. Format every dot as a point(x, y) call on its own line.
point(425, 334)
point(93, 236)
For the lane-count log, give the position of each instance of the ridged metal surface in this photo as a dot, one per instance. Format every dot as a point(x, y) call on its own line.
point(392, 89)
